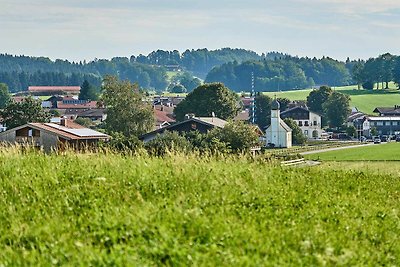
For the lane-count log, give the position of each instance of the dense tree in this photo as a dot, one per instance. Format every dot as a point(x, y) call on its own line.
point(88, 92)
point(351, 131)
point(337, 108)
point(209, 98)
point(176, 88)
point(5, 96)
point(262, 105)
point(317, 98)
point(396, 71)
point(284, 103)
point(29, 110)
point(357, 74)
point(237, 135)
point(126, 112)
point(298, 138)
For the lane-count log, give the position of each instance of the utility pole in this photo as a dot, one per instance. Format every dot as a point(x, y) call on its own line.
point(253, 98)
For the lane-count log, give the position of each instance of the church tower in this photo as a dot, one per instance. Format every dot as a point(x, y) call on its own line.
point(278, 134)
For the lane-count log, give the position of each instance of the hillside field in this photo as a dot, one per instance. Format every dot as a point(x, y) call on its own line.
point(382, 152)
point(118, 210)
point(365, 100)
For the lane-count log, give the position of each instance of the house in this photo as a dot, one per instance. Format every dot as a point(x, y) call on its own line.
point(50, 90)
point(163, 118)
point(51, 136)
point(388, 111)
point(201, 124)
point(308, 121)
point(278, 133)
point(385, 125)
point(96, 114)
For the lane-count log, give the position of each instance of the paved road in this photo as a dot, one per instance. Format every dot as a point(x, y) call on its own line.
point(334, 148)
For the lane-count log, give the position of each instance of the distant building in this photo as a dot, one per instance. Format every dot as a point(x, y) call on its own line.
point(388, 111)
point(201, 124)
point(385, 125)
point(278, 134)
point(51, 90)
point(308, 121)
point(53, 136)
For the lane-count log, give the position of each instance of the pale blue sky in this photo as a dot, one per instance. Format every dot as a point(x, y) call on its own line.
point(85, 29)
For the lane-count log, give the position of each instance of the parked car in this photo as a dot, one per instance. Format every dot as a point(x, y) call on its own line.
point(398, 138)
point(384, 138)
point(377, 140)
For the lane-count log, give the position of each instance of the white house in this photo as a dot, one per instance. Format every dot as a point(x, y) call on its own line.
point(278, 133)
point(308, 121)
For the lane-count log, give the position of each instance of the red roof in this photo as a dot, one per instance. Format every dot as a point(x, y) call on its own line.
point(162, 116)
point(90, 104)
point(54, 88)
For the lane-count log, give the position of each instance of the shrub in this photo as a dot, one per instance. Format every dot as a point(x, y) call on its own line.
point(168, 142)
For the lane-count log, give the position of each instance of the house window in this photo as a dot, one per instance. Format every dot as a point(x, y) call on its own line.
point(379, 123)
point(315, 123)
point(395, 123)
point(194, 126)
point(306, 132)
point(30, 132)
point(384, 123)
point(306, 123)
point(300, 123)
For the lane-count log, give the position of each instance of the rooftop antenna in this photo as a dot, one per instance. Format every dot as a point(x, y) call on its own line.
point(253, 100)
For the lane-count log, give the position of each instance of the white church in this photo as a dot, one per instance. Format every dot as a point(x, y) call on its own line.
point(278, 134)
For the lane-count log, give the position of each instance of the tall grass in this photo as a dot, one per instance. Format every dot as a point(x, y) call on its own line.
point(117, 210)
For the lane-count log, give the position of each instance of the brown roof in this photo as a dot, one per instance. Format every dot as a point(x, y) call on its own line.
point(54, 88)
point(162, 116)
point(87, 105)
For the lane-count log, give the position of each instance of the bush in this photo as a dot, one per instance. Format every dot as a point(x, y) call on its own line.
point(121, 143)
point(168, 142)
point(368, 85)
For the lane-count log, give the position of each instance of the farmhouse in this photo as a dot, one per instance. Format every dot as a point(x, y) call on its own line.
point(388, 111)
point(278, 134)
point(201, 124)
point(41, 90)
point(53, 136)
point(308, 121)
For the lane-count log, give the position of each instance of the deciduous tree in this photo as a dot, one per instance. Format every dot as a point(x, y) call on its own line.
point(209, 98)
point(298, 137)
point(337, 108)
point(126, 112)
point(5, 96)
point(29, 110)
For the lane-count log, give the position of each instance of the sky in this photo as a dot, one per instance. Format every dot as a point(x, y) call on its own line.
point(87, 29)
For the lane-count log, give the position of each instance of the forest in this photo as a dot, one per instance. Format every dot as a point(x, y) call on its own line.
point(273, 71)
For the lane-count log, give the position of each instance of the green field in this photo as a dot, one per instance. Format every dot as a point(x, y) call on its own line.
point(114, 210)
point(364, 100)
point(381, 152)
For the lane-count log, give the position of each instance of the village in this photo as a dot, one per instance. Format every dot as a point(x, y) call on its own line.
point(65, 127)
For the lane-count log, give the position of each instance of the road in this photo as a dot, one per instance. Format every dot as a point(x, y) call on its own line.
point(334, 148)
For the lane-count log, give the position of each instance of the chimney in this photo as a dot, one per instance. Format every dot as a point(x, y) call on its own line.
point(64, 122)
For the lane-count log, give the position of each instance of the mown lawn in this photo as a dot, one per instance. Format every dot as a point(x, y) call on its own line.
point(382, 152)
point(114, 210)
point(365, 100)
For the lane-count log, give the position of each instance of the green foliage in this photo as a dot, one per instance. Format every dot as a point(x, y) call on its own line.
point(168, 142)
point(29, 110)
point(116, 210)
point(262, 110)
point(396, 71)
point(208, 98)
point(284, 103)
point(337, 108)
point(351, 131)
point(84, 122)
point(283, 73)
point(122, 143)
point(317, 98)
point(5, 96)
point(186, 80)
point(55, 113)
point(177, 89)
point(88, 92)
point(126, 112)
point(374, 131)
point(298, 138)
point(237, 135)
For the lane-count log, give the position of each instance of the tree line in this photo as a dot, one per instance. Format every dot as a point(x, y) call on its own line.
point(281, 73)
point(377, 72)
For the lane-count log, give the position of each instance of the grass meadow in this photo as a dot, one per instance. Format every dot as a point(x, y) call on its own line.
point(365, 100)
point(382, 152)
point(82, 209)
